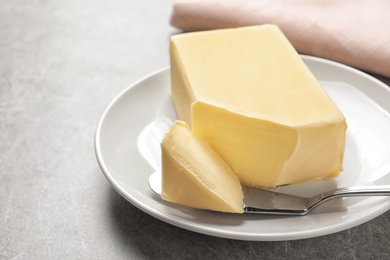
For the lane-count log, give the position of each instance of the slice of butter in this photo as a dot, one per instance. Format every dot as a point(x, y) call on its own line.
point(249, 95)
point(194, 175)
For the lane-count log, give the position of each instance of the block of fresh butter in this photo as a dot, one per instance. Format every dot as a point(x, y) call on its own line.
point(247, 93)
point(194, 175)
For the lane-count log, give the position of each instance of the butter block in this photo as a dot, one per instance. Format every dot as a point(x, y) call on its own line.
point(248, 94)
point(194, 175)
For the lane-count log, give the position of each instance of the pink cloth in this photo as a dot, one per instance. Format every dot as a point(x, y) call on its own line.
point(356, 33)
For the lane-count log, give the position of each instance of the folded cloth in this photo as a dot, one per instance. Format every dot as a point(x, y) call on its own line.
point(356, 33)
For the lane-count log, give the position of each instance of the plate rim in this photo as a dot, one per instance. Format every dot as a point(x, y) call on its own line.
point(382, 208)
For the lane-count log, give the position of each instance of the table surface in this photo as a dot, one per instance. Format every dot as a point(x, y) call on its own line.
point(61, 63)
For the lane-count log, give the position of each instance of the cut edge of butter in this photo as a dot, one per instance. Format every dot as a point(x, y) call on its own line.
point(194, 175)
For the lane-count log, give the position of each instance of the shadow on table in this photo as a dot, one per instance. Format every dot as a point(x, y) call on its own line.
point(146, 237)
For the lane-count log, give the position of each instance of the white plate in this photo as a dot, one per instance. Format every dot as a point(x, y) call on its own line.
point(130, 130)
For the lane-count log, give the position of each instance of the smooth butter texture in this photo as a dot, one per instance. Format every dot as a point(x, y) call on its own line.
point(194, 175)
point(249, 95)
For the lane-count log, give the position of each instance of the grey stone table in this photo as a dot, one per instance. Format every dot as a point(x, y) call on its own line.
point(61, 63)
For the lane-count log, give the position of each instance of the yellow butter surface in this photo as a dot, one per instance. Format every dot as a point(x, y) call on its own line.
point(248, 94)
point(194, 175)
